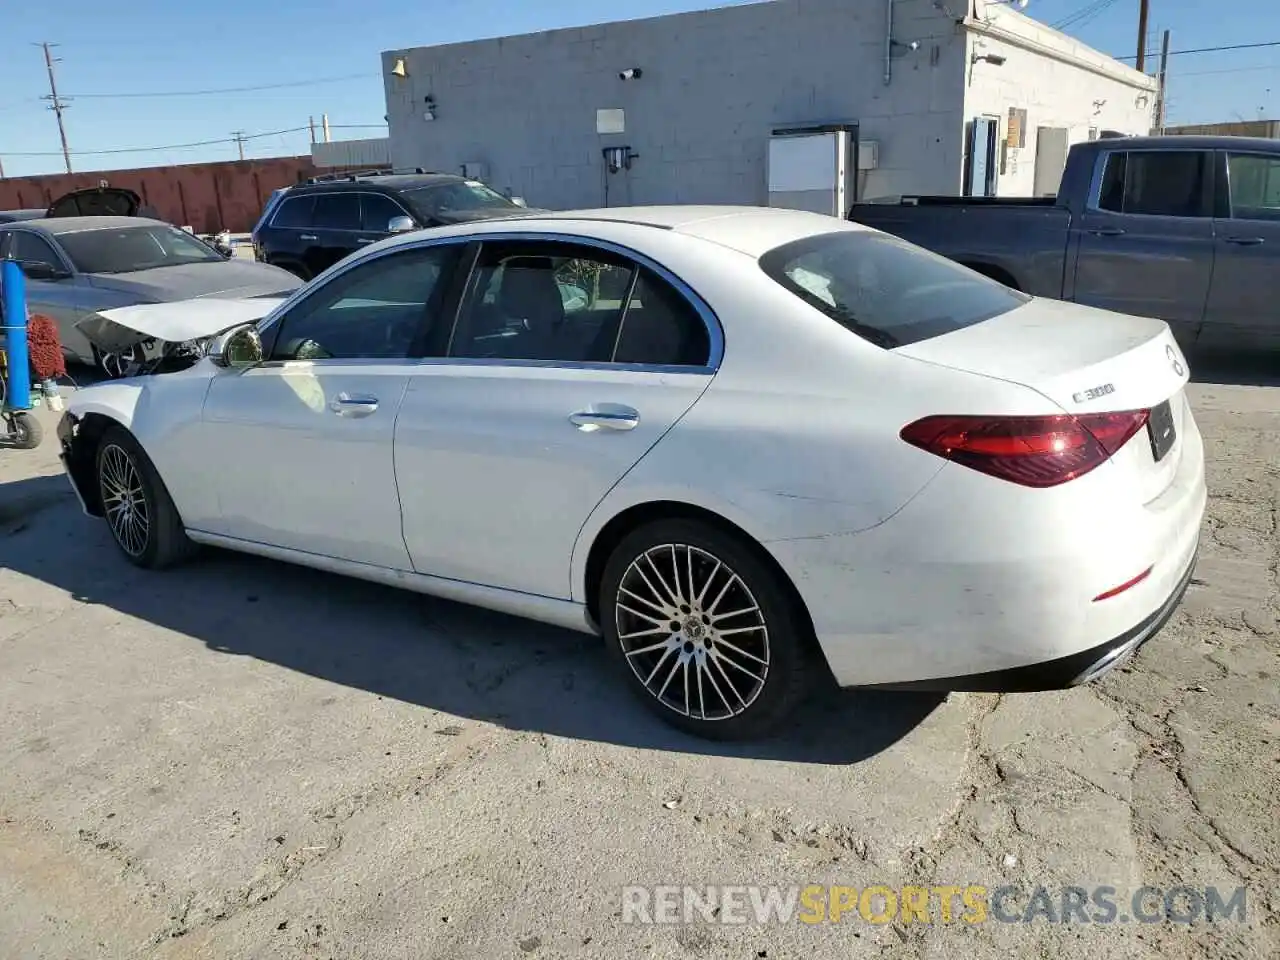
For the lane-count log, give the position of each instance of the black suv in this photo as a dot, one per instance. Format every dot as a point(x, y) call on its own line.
point(312, 226)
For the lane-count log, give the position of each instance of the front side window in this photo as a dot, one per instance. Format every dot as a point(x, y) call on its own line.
point(1255, 186)
point(886, 290)
point(130, 249)
point(543, 301)
point(30, 248)
point(377, 212)
point(382, 309)
point(1164, 183)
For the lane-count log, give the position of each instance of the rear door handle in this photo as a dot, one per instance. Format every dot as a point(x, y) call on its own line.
point(1246, 241)
point(1107, 232)
point(605, 416)
point(306, 236)
point(353, 404)
point(365, 240)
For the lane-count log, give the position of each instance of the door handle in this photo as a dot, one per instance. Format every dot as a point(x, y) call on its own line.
point(1107, 232)
point(306, 236)
point(1246, 241)
point(605, 417)
point(353, 405)
point(364, 240)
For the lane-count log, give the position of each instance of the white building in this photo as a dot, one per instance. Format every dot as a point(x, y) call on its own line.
point(689, 103)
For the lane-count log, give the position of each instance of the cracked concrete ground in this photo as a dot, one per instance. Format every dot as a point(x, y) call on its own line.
point(243, 759)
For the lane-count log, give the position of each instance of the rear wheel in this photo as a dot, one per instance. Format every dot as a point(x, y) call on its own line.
point(139, 511)
point(706, 634)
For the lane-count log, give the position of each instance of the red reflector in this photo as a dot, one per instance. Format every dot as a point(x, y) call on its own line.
point(1033, 451)
point(1116, 591)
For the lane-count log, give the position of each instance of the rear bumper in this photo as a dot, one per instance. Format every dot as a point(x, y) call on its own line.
point(1063, 672)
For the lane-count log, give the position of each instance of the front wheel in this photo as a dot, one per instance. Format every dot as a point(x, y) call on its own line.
point(116, 366)
point(25, 431)
point(708, 636)
point(139, 511)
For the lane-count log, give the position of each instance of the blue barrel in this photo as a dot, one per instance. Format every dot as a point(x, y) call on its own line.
point(13, 298)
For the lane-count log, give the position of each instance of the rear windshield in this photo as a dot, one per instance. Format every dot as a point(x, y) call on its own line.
point(885, 289)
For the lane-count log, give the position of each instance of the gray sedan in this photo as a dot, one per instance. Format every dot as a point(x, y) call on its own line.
point(77, 266)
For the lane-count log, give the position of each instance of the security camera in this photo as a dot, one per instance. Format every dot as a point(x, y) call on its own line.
point(995, 59)
point(632, 73)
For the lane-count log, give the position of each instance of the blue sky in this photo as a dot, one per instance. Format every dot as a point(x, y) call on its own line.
point(328, 51)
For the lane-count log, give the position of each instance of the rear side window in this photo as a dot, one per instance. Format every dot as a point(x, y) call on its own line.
point(338, 211)
point(294, 212)
point(884, 289)
point(1166, 183)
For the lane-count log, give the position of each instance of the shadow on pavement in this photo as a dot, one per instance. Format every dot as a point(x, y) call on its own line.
point(1261, 370)
point(442, 655)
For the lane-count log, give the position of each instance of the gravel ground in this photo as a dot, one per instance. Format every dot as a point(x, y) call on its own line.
point(244, 759)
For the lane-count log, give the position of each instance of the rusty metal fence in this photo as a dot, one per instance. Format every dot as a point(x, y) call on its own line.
point(205, 196)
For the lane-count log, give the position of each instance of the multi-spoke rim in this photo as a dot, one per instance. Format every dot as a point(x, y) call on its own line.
point(117, 365)
point(692, 632)
point(123, 500)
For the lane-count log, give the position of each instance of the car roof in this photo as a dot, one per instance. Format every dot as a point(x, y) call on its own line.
point(61, 225)
point(1190, 142)
point(390, 181)
point(18, 216)
point(750, 230)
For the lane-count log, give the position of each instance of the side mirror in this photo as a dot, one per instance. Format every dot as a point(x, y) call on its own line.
point(39, 270)
point(238, 348)
point(400, 225)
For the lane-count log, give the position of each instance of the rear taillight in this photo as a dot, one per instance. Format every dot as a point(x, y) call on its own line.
point(1033, 451)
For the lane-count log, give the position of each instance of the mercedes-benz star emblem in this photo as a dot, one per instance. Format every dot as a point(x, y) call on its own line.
point(1175, 360)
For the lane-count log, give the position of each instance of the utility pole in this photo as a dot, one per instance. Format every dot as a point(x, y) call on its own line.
point(1142, 35)
point(1160, 95)
point(56, 103)
point(239, 137)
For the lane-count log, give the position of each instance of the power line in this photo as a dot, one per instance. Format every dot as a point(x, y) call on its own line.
point(242, 137)
point(1232, 46)
point(221, 90)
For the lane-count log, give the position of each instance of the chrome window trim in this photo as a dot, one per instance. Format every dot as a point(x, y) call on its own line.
point(715, 331)
point(1092, 205)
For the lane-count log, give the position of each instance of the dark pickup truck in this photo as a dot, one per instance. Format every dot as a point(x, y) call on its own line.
point(1186, 229)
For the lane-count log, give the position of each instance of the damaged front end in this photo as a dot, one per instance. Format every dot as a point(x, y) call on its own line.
point(166, 337)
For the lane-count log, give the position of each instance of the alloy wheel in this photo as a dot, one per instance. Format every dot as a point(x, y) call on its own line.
point(118, 365)
point(692, 632)
point(123, 499)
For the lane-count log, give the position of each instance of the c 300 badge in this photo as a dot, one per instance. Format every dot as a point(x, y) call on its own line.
point(1093, 393)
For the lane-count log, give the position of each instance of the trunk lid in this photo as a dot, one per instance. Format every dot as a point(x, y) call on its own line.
point(1083, 360)
point(99, 201)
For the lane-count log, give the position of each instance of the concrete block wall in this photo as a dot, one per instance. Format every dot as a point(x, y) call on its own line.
point(713, 85)
point(1055, 92)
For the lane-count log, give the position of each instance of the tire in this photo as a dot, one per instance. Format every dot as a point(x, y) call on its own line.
point(160, 540)
point(755, 663)
point(26, 431)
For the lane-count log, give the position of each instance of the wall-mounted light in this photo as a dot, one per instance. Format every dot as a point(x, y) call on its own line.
point(992, 58)
point(899, 49)
point(399, 69)
point(631, 73)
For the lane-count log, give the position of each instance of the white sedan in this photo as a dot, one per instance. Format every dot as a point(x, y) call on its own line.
point(755, 449)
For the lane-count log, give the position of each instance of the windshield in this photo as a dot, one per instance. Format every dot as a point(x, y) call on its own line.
point(450, 199)
point(885, 289)
point(127, 249)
